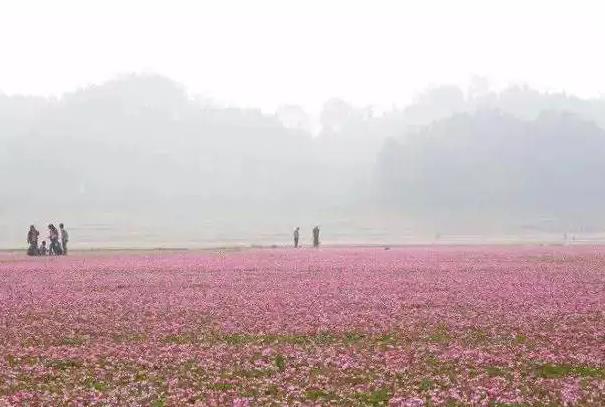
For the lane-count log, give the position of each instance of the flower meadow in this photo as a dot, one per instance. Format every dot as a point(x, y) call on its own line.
point(416, 326)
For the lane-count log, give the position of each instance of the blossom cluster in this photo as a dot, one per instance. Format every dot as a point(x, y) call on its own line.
point(408, 326)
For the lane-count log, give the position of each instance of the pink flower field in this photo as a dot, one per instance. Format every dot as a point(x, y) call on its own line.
point(418, 326)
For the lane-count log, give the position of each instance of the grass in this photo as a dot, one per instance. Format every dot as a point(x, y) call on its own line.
point(160, 402)
point(478, 336)
point(494, 371)
point(63, 364)
point(520, 339)
point(280, 363)
point(353, 337)
point(251, 373)
point(319, 339)
point(387, 339)
point(316, 395)
point(179, 339)
point(96, 385)
point(272, 390)
point(130, 338)
point(72, 341)
point(430, 376)
point(379, 397)
point(440, 335)
point(221, 386)
point(426, 384)
point(552, 371)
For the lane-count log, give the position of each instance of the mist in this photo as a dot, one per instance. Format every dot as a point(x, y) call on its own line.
point(138, 161)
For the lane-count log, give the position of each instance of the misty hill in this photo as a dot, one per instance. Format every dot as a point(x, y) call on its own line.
point(141, 138)
point(493, 165)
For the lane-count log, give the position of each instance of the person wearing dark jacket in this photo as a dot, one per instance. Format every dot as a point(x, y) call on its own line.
point(64, 238)
point(53, 236)
point(32, 240)
point(296, 236)
point(316, 236)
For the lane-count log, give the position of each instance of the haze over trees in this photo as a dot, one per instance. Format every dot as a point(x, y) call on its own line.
point(139, 147)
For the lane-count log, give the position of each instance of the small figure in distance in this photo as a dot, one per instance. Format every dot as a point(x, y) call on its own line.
point(296, 236)
point(316, 236)
point(64, 238)
point(32, 240)
point(53, 235)
point(43, 250)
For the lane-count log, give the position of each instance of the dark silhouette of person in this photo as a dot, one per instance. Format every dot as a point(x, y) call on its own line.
point(53, 236)
point(316, 236)
point(43, 250)
point(296, 236)
point(32, 240)
point(64, 238)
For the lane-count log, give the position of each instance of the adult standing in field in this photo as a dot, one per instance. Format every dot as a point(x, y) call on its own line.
point(53, 235)
point(64, 238)
point(32, 240)
point(316, 236)
point(296, 236)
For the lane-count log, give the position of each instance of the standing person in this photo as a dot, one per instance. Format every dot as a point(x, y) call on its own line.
point(316, 236)
point(53, 236)
point(64, 238)
point(296, 236)
point(32, 240)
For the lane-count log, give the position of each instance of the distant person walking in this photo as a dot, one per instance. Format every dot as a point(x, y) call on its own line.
point(53, 236)
point(296, 236)
point(64, 238)
point(316, 236)
point(32, 240)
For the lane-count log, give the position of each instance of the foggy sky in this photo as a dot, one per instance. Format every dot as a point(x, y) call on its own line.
point(230, 122)
point(269, 52)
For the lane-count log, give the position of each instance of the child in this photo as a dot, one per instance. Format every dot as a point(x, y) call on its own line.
point(42, 250)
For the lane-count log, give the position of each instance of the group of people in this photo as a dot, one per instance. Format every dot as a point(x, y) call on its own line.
point(58, 241)
point(315, 236)
point(59, 238)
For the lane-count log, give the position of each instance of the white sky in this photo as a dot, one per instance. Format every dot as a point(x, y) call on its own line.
point(267, 52)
